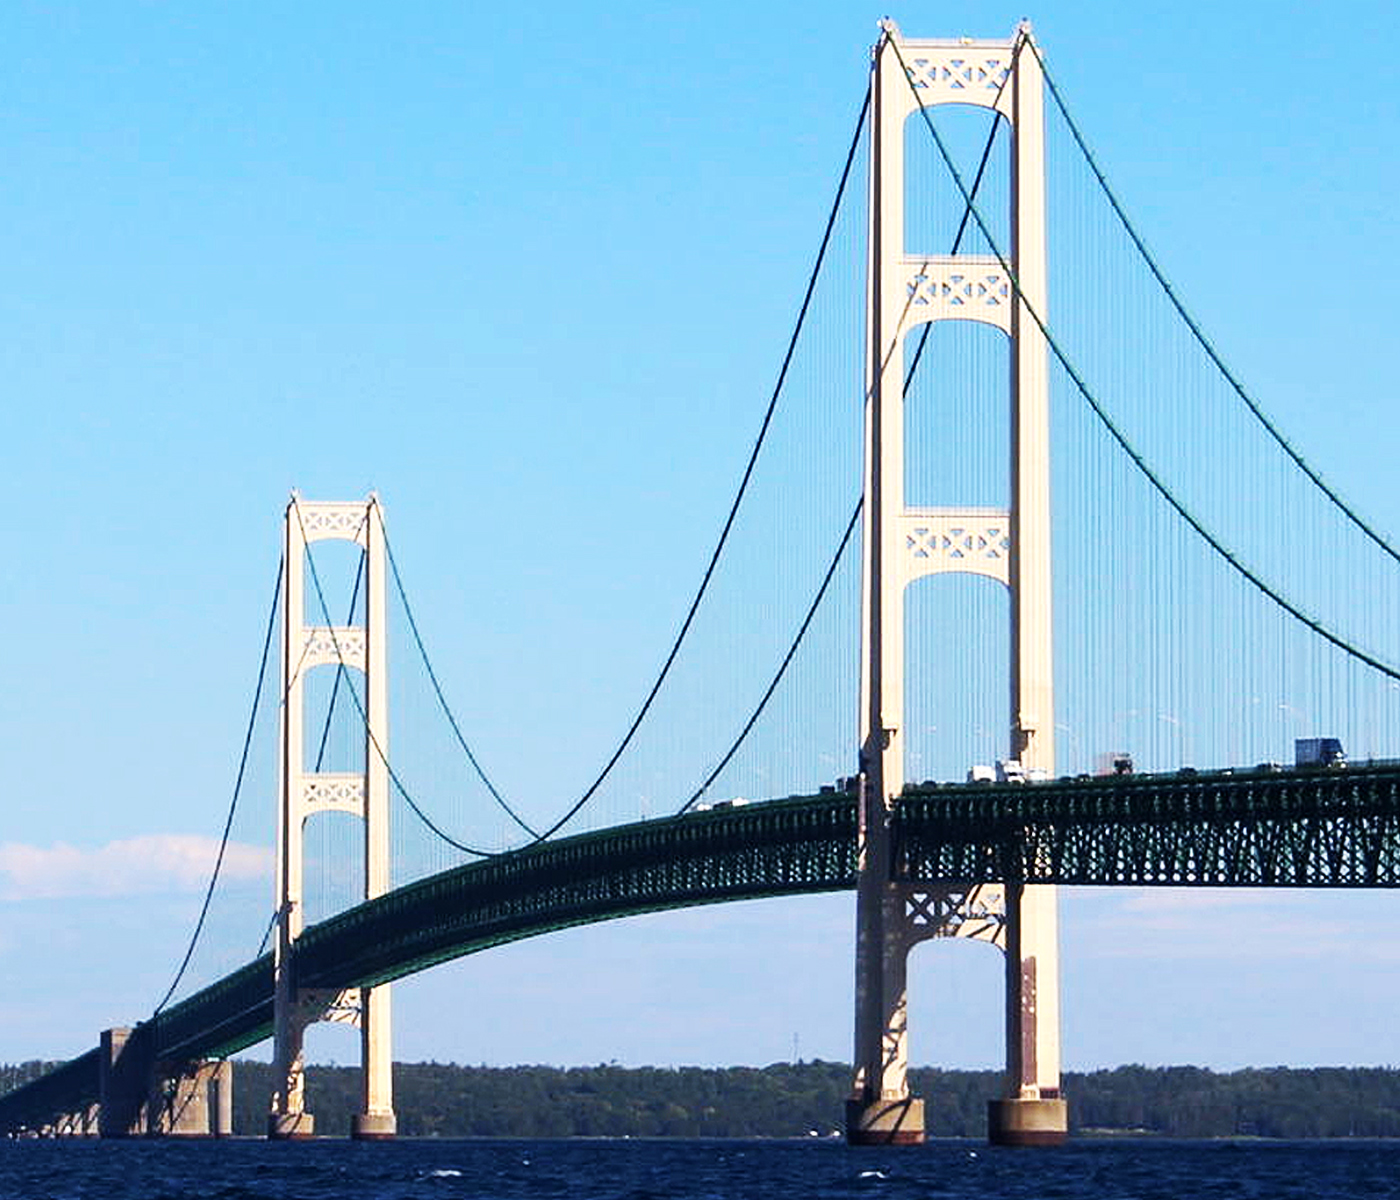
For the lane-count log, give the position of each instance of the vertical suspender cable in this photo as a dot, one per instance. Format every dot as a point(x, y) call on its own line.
point(1118, 436)
point(1199, 334)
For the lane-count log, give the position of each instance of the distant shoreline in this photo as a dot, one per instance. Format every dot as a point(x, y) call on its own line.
point(805, 1101)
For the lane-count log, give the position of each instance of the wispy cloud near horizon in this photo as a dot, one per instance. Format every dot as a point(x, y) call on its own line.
point(145, 865)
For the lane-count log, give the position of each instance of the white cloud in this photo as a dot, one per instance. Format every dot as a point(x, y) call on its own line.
point(161, 862)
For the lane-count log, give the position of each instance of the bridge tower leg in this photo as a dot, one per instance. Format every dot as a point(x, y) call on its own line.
point(221, 1099)
point(303, 792)
point(902, 544)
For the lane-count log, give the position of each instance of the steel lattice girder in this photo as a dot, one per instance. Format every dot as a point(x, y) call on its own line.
point(795, 846)
point(64, 1091)
point(806, 844)
point(1322, 828)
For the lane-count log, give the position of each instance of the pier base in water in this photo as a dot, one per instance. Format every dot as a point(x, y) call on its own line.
point(885, 1122)
point(284, 1127)
point(1027, 1122)
point(373, 1127)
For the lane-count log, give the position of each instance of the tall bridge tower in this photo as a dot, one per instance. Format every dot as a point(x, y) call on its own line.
point(903, 544)
point(303, 793)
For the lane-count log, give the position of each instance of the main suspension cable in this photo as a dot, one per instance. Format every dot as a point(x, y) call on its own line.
point(437, 689)
point(743, 485)
point(1198, 333)
point(359, 708)
point(679, 640)
point(783, 666)
point(340, 672)
point(1151, 476)
point(855, 515)
point(237, 791)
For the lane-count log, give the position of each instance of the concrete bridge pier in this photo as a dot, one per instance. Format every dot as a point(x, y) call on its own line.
point(81, 1123)
point(124, 1073)
point(191, 1099)
point(289, 1119)
point(375, 1122)
point(881, 1111)
point(139, 1094)
point(1033, 1112)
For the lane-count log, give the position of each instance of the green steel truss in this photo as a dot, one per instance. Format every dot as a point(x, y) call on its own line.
point(786, 847)
point(1268, 828)
point(1265, 828)
point(66, 1090)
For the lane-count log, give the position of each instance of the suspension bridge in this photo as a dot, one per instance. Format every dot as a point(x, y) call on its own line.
point(987, 362)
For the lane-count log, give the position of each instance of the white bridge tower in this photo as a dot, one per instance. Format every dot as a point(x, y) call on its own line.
point(303, 793)
point(903, 544)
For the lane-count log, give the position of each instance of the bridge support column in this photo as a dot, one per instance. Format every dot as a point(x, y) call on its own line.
point(82, 1123)
point(124, 1072)
point(909, 286)
point(305, 792)
point(288, 1118)
point(375, 1122)
point(178, 1104)
point(881, 1111)
point(221, 1099)
point(1033, 1113)
point(190, 1099)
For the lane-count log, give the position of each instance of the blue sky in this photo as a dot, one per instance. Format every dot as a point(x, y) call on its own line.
point(528, 273)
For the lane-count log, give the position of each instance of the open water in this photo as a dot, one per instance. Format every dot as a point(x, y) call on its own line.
point(681, 1170)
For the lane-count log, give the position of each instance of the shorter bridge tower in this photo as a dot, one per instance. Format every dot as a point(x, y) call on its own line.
point(303, 793)
point(903, 544)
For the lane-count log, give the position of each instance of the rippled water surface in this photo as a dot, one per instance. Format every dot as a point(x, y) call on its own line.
point(233, 1170)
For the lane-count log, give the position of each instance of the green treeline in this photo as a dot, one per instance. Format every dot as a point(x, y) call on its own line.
point(12, 1075)
point(791, 1100)
point(787, 1100)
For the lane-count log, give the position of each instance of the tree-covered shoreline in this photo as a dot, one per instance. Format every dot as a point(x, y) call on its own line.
point(799, 1099)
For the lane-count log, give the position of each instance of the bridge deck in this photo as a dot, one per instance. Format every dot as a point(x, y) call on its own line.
point(1223, 829)
point(1263, 828)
